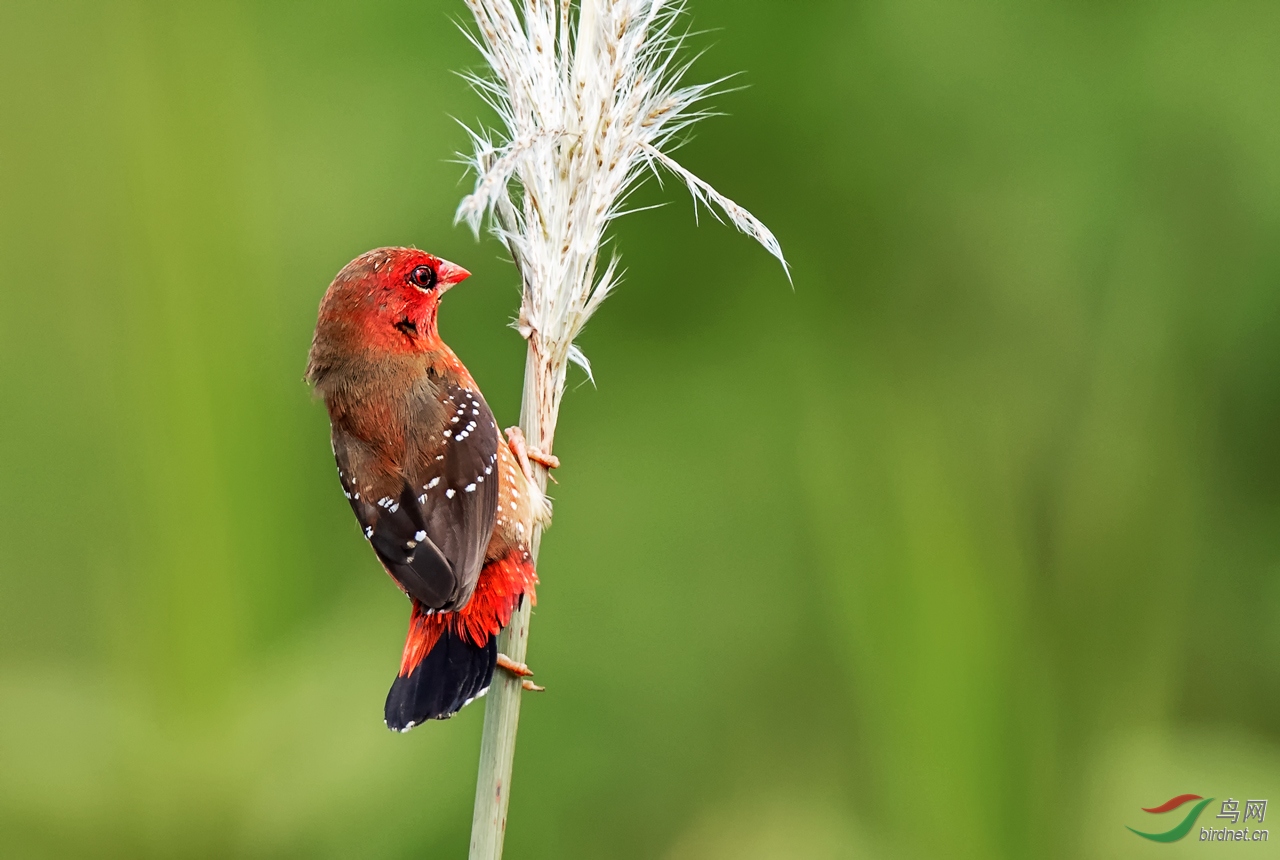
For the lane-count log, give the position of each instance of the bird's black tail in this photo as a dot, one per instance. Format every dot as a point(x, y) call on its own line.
point(452, 674)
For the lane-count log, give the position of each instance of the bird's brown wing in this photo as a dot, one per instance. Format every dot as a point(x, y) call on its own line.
point(431, 535)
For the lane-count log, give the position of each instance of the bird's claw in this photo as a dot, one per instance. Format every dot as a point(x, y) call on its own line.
point(520, 670)
point(551, 461)
point(524, 454)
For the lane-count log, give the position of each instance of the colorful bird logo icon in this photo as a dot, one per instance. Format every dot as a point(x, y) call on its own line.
point(1187, 823)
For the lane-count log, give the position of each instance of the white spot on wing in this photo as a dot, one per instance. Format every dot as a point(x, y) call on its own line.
point(478, 695)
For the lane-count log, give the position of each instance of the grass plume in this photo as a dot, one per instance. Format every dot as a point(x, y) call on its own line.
point(591, 99)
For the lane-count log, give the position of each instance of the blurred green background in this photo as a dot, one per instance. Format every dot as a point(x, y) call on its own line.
point(966, 547)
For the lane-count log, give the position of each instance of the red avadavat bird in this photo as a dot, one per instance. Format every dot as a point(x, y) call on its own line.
point(447, 504)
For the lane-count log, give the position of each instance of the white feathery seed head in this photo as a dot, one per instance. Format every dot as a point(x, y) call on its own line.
point(590, 99)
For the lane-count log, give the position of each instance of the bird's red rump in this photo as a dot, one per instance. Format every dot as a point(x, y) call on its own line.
point(496, 596)
point(424, 633)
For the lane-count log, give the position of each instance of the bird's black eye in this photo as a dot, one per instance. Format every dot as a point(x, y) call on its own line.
point(423, 277)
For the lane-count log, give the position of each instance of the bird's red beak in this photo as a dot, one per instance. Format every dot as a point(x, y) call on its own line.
point(449, 274)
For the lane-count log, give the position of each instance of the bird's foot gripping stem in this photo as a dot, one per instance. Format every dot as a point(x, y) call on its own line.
point(521, 671)
point(524, 454)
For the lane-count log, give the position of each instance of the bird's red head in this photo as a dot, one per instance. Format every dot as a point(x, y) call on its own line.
point(386, 300)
